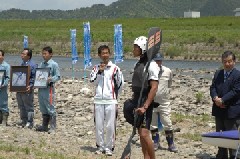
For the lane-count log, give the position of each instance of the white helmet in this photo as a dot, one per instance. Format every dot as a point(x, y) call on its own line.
point(141, 41)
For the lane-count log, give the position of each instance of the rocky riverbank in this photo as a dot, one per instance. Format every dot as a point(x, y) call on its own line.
point(75, 137)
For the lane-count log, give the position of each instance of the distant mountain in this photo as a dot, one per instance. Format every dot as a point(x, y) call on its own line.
point(132, 9)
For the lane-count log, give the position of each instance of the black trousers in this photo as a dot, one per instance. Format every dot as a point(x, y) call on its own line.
point(224, 125)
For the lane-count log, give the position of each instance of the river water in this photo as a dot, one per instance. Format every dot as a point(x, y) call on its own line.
point(126, 66)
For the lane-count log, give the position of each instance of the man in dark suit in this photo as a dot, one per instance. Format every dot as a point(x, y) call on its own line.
point(225, 94)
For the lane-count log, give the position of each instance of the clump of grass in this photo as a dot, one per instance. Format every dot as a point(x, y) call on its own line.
point(27, 150)
point(174, 51)
point(206, 118)
point(199, 97)
point(178, 117)
point(7, 147)
point(21, 152)
point(237, 44)
point(42, 143)
point(194, 137)
point(221, 43)
point(212, 39)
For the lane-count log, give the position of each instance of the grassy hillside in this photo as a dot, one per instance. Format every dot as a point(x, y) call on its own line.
point(131, 9)
point(209, 35)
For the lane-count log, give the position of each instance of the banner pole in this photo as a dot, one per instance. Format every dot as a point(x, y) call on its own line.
point(73, 76)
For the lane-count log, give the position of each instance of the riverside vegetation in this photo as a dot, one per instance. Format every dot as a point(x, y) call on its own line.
point(196, 39)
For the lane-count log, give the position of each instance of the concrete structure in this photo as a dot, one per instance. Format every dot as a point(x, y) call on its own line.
point(191, 14)
point(237, 10)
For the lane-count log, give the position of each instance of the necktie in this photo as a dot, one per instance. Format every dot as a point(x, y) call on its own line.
point(226, 76)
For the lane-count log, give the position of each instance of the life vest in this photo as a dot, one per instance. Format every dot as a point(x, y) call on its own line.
point(138, 78)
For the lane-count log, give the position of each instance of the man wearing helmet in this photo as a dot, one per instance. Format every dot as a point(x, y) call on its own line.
point(144, 111)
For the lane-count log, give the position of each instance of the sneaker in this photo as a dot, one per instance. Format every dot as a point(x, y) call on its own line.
point(172, 148)
point(108, 152)
point(99, 151)
point(29, 125)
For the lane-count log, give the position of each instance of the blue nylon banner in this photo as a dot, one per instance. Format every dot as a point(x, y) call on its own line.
point(118, 43)
point(25, 41)
point(73, 44)
point(87, 45)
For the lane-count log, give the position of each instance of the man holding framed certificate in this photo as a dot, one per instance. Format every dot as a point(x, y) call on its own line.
point(5, 73)
point(46, 94)
point(25, 99)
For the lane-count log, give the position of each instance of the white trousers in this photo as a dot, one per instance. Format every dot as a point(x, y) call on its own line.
point(105, 121)
point(164, 110)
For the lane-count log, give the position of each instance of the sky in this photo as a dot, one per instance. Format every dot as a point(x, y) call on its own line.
point(50, 4)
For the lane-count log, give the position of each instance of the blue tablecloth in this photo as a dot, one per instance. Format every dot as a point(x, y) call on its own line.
point(232, 134)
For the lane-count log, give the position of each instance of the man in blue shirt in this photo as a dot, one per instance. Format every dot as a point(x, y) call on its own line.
point(4, 111)
point(46, 95)
point(25, 99)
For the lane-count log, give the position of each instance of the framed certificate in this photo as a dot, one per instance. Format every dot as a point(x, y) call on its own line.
point(41, 77)
point(2, 76)
point(19, 78)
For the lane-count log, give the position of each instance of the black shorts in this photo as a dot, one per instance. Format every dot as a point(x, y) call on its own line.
point(143, 121)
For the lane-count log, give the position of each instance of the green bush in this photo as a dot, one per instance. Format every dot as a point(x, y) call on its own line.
point(194, 137)
point(199, 97)
point(212, 39)
point(221, 44)
point(174, 51)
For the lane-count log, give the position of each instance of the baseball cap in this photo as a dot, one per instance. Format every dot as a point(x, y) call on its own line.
point(158, 56)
